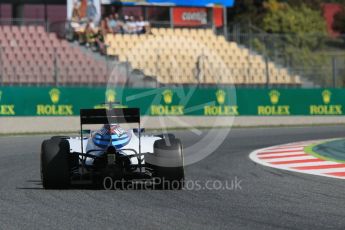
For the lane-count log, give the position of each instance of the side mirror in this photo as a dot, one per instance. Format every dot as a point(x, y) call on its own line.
point(142, 130)
point(86, 132)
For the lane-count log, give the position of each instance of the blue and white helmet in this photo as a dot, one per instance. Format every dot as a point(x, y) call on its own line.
point(111, 135)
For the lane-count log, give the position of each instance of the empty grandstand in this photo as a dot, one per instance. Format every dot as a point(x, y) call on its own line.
point(190, 56)
point(29, 54)
point(171, 56)
point(186, 51)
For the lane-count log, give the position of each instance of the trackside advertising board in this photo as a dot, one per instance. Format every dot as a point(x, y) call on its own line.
point(191, 16)
point(66, 101)
point(81, 11)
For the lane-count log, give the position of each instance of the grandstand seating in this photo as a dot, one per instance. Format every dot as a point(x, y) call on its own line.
point(30, 55)
point(176, 56)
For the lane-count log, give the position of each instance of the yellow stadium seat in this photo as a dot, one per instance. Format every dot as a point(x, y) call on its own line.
point(154, 31)
point(172, 56)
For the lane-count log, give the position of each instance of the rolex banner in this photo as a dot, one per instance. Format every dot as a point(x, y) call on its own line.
point(47, 101)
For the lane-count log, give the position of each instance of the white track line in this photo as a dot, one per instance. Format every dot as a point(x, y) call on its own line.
point(284, 148)
point(267, 154)
point(306, 157)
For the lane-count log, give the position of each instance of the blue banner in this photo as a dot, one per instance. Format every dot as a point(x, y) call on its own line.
point(194, 3)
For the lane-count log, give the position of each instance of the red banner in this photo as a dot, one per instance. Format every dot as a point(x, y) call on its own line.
point(218, 16)
point(189, 16)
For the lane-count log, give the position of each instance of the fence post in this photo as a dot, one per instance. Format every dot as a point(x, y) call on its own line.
point(334, 69)
point(2, 67)
point(267, 72)
point(127, 71)
point(55, 68)
point(107, 67)
point(171, 17)
point(225, 22)
point(266, 63)
point(157, 68)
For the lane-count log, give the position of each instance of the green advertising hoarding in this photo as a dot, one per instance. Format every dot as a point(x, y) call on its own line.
point(189, 101)
point(287, 102)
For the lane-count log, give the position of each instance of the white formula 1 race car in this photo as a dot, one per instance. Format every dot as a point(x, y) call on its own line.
point(111, 155)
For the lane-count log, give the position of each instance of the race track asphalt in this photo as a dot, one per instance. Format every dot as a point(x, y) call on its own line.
point(267, 198)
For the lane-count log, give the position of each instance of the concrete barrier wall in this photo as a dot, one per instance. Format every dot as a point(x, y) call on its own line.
point(10, 125)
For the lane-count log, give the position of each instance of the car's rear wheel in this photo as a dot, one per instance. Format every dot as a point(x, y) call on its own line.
point(55, 164)
point(166, 136)
point(167, 164)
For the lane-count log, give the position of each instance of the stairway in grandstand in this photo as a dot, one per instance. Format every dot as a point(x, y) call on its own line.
point(118, 73)
point(189, 56)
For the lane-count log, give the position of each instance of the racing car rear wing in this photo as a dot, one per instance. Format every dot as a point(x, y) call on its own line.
point(109, 116)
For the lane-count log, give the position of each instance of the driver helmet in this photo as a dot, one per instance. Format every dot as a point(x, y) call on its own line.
point(111, 135)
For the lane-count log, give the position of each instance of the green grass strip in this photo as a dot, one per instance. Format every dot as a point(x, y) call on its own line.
point(309, 149)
